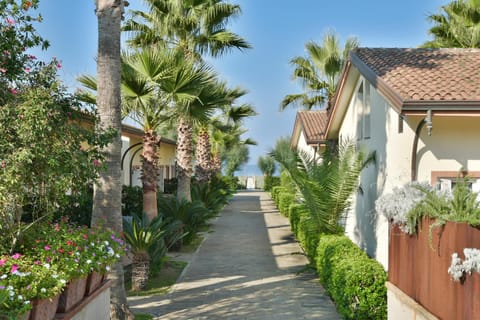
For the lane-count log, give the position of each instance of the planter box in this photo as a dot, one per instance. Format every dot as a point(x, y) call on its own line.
point(420, 269)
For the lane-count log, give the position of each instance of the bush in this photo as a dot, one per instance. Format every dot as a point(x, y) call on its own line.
point(295, 211)
point(284, 201)
point(275, 191)
point(307, 235)
point(170, 186)
point(270, 182)
point(132, 201)
point(354, 281)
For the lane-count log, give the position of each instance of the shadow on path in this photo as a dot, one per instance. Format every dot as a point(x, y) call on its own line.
point(249, 267)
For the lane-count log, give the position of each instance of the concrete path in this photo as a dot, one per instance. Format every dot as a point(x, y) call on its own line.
point(249, 267)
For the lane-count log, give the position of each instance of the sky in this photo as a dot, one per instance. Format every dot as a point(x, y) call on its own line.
point(277, 30)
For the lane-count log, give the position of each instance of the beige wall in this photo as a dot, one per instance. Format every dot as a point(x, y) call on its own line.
point(452, 146)
point(302, 145)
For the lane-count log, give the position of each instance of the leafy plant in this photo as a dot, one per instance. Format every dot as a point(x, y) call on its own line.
point(149, 241)
point(192, 215)
point(326, 188)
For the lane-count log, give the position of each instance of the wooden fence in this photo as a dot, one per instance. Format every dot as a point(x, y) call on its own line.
point(419, 267)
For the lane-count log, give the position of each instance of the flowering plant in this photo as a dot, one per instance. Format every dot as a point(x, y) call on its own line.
point(23, 279)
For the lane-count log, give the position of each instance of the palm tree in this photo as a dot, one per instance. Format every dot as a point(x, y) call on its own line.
point(266, 165)
point(458, 26)
point(230, 114)
point(318, 73)
point(192, 27)
point(108, 190)
point(326, 188)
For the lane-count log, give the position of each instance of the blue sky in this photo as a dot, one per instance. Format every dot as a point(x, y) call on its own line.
point(277, 29)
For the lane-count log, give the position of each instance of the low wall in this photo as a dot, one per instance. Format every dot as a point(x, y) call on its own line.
point(418, 266)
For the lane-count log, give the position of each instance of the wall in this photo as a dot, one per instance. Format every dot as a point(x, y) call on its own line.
point(302, 145)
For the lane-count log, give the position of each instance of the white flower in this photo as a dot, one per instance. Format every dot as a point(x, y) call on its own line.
point(89, 261)
point(106, 243)
point(20, 297)
point(110, 252)
point(107, 268)
point(54, 276)
point(63, 281)
point(43, 290)
point(9, 288)
point(4, 276)
point(47, 265)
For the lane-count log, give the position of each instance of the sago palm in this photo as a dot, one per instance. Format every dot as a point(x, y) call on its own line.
point(318, 72)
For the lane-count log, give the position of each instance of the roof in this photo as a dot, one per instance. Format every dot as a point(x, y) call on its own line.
point(412, 78)
point(139, 132)
point(313, 124)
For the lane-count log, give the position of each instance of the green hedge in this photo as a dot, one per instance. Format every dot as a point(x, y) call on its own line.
point(270, 182)
point(354, 281)
point(294, 213)
point(275, 191)
point(285, 199)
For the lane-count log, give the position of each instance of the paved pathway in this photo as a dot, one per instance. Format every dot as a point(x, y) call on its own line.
point(249, 267)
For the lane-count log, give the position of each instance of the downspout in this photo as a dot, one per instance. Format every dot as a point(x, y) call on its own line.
point(428, 121)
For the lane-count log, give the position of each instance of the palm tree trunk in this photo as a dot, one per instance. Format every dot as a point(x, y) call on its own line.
point(203, 169)
point(108, 192)
point(216, 164)
point(140, 271)
point(184, 159)
point(150, 174)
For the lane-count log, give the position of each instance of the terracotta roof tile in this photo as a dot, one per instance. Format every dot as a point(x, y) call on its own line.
point(314, 124)
point(426, 74)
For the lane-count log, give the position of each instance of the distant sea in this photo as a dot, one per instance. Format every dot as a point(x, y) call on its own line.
point(248, 170)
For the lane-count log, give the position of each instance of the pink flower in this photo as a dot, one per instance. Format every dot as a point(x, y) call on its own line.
point(96, 163)
point(4, 164)
point(14, 268)
point(37, 262)
point(16, 256)
point(13, 91)
point(32, 57)
point(27, 69)
point(47, 247)
point(2, 261)
point(3, 70)
point(59, 65)
point(10, 21)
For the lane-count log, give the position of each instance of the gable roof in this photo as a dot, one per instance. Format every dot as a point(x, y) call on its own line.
point(414, 78)
point(313, 123)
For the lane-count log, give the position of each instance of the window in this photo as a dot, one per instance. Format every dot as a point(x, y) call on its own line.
point(363, 108)
point(446, 180)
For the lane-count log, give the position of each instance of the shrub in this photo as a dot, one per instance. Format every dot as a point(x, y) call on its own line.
point(295, 211)
point(307, 235)
point(284, 202)
point(132, 201)
point(270, 182)
point(354, 281)
point(276, 190)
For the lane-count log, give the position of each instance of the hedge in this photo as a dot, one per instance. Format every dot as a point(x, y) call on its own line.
point(354, 281)
point(275, 191)
point(285, 199)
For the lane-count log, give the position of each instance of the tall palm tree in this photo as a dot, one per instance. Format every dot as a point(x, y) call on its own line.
point(108, 192)
point(457, 26)
point(230, 113)
point(193, 27)
point(318, 72)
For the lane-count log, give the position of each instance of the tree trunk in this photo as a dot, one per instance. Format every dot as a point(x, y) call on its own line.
point(150, 174)
point(216, 164)
point(184, 159)
point(140, 271)
point(203, 169)
point(107, 203)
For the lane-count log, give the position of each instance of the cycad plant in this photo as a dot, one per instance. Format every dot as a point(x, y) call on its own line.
point(326, 188)
point(149, 242)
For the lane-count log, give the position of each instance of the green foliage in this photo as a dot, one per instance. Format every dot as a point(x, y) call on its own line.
point(460, 206)
point(295, 211)
point(284, 202)
point(456, 26)
point(170, 185)
point(214, 195)
point(276, 191)
point(235, 158)
point(307, 234)
point(132, 201)
point(355, 282)
point(78, 208)
point(266, 165)
point(326, 188)
point(270, 182)
point(153, 238)
point(193, 215)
